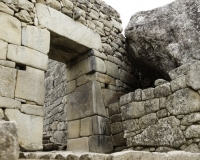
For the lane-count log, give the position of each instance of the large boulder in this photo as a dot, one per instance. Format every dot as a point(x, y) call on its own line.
point(164, 38)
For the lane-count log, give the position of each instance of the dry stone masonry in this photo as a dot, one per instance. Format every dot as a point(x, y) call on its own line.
point(67, 83)
point(166, 117)
point(86, 37)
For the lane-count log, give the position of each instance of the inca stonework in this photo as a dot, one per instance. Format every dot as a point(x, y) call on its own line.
point(67, 84)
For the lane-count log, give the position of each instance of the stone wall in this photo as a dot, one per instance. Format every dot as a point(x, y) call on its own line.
point(166, 117)
point(104, 73)
point(55, 119)
point(22, 67)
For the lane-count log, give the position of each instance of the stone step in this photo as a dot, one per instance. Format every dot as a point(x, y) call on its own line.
point(124, 155)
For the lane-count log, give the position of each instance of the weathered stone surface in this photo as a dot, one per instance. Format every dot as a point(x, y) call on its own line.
point(30, 85)
point(9, 103)
point(54, 4)
point(3, 49)
point(87, 65)
point(139, 155)
point(29, 129)
point(6, 9)
point(23, 4)
point(193, 131)
point(71, 86)
point(80, 144)
point(193, 76)
point(138, 95)
point(183, 102)
point(148, 93)
point(112, 69)
point(103, 78)
point(114, 109)
point(178, 83)
point(162, 113)
point(24, 16)
point(27, 56)
point(100, 144)
point(133, 110)
point(8, 81)
point(127, 78)
point(9, 146)
point(123, 155)
point(158, 41)
point(11, 28)
point(96, 53)
point(159, 82)
point(180, 71)
point(110, 96)
point(191, 118)
point(74, 128)
point(1, 114)
point(7, 63)
point(74, 34)
point(192, 148)
point(151, 105)
point(163, 90)
point(101, 126)
point(130, 125)
point(164, 133)
point(119, 140)
point(147, 120)
point(86, 127)
point(85, 101)
point(127, 98)
point(115, 118)
point(116, 128)
point(36, 38)
point(32, 110)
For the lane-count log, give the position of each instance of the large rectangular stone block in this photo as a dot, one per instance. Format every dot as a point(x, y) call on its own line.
point(9, 146)
point(101, 126)
point(29, 129)
point(133, 110)
point(27, 56)
point(177, 104)
point(74, 128)
point(100, 144)
point(32, 109)
point(90, 64)
point(10, 29)
point(112, 69)
point(127, 78)
point(80, 144)
point(73, 33)
point(7, 82)
point(36, 38)
point(95, 125)
point(110, 96)
point(9, 103)
point(85, 101)
point(30, 85)
point(3, 49)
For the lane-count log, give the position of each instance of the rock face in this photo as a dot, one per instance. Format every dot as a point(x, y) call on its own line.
point(9, 147)
point(29, 129)
point(166, 132)
point(164, 38)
